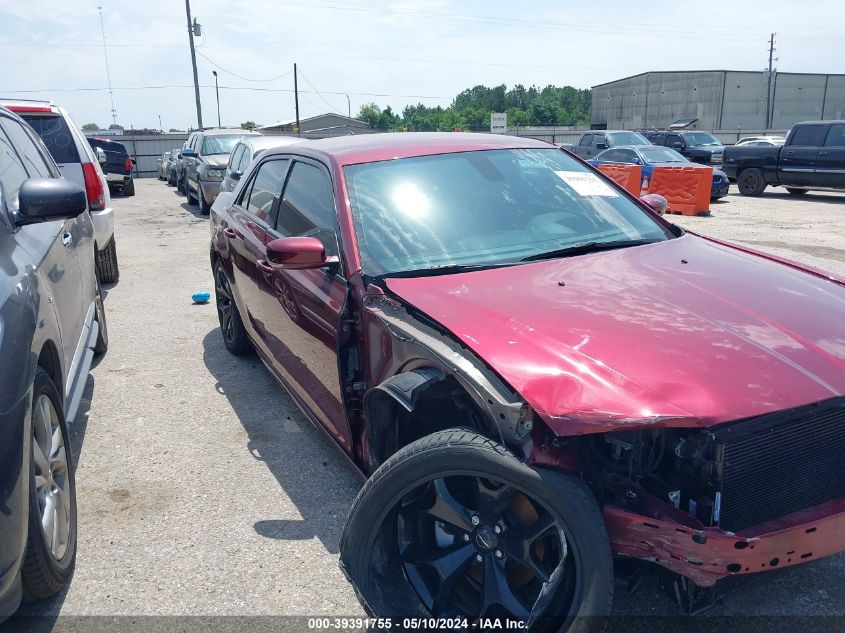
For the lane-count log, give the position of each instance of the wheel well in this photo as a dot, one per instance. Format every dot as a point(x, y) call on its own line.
point(48, 360)
point(438, 405)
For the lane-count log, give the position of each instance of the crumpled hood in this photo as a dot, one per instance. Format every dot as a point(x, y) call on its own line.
point(686, 332)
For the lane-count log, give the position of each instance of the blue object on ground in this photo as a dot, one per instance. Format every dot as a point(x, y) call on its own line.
point(201, 297)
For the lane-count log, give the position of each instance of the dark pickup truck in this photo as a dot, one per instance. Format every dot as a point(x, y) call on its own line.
point(813, 157)
point(699, 147)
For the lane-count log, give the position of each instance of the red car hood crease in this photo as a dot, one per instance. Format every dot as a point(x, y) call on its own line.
point(637, 336)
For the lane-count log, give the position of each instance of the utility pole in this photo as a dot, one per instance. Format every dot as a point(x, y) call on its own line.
point(296, 98)
point(348, 107)
point(194, 63)
point(160, 126)
point(108, 73)
point(769, 83)
point(217, 92)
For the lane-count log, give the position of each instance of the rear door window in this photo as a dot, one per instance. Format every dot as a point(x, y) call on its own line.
point(599, 138)
point(586, 140)
point(235, 158)
point(808, 135)
point(56, 135)
point(263, 201)
point(12, 172)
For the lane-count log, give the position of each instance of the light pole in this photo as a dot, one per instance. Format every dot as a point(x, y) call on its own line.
point(217, 92)
point(348, 106)
point(160, 126)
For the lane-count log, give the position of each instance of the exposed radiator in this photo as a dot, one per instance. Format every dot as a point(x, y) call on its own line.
point(780, 463)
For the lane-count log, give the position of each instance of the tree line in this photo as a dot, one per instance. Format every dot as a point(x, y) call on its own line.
point(470, 110)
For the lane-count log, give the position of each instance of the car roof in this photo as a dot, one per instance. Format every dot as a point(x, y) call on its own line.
point(30, 106)
point(228, 131)
point(370, 148)
point(267, 142)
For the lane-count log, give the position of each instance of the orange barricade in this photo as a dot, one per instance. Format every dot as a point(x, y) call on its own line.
point(626, 176)
point(687, 189)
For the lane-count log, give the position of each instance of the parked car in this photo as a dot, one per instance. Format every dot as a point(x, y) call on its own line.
point(761, 141)
point(245, 151)
point(117, 166)
point(52, 322)
point(172, 166)
point(699, 147)
point(651, 156)
point(78, 163)
point(163, 164)
point(536, 373)
point(204, 160)
point(591, 143)
point(812, 158)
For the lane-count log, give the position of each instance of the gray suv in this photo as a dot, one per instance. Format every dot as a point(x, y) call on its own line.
point(52, 323)
point(204, 160)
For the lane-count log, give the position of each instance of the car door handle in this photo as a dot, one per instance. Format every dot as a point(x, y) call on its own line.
point(823, 153)
point(264, 266)
point(67, 239)
point(790, 153)
point(231, 233)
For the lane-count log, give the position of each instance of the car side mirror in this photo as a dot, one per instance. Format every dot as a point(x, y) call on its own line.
point(101, 156)
point(189, 153)
point(601, 145)
point(655, 202)
point(44, 199)
point(297, 253)
point(236, 175)
point(678, 145)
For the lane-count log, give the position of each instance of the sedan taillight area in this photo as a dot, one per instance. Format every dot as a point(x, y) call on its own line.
point(94, 187)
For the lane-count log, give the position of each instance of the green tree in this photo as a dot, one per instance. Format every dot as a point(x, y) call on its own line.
point(115, 126)
point(90, 127)
point(370, 113)
point(248, 125)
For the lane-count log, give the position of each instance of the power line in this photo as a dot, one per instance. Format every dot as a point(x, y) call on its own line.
point(108, 72)
point(308, 81)
point(226, 70)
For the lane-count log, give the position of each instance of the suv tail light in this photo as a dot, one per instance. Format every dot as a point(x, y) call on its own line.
point(127, 165)
point(94, 187)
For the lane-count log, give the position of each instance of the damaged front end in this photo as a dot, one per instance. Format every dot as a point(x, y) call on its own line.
point(713, 505)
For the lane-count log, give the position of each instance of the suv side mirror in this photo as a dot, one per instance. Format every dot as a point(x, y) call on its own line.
point(101, 155)
point(189, 153)
point(601, 145)
point(296, 253)
point(655, 202)
point(44, 199)
point(678, 145)
point(236, 175)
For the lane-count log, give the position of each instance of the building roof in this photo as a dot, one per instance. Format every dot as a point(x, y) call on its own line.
point(287, 122)
point(720, 70)
point(369, 148)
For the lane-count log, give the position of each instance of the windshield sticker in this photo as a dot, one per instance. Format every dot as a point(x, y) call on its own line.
point(586, 184)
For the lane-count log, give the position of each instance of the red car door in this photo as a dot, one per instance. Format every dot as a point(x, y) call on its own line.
point(247, 233)
point(304, 337)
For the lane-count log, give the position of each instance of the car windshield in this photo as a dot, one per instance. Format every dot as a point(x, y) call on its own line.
point(484, 208)
point(628, 138)
point(658, 154)
point(220, 144)
point(701, 138)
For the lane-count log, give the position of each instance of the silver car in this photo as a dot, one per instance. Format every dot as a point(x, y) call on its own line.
point(245, 152)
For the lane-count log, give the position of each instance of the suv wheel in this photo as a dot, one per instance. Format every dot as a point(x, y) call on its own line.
point(129, 188)
point(231, 325)
point(751, 182)
point(454, 525)
point(106, 261)
point(51, 536)
point(205, 208)
point(100, 315)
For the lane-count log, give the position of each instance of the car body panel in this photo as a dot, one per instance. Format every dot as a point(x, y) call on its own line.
point(737, 350)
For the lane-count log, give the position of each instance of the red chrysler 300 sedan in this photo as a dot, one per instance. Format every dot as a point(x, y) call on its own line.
point(537, 373)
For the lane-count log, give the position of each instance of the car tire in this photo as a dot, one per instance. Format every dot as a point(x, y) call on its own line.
point(106, 262)
point(751, 182)
point(48, 566)
point(796, 192)
point(205, 208)
point(444, 466)
point(129, 188)
point(231, 326)
point(102, 343)
point(189, 194)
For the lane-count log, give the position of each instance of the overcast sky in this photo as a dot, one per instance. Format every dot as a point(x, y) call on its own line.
point(393, 53)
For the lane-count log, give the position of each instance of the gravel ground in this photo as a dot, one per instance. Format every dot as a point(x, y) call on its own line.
point(203, 491)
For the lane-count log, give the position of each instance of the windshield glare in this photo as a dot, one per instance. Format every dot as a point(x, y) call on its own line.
point(483, 208)
point(222, 144)
point(701, 138)
point(628, 138)
point(662, 155)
